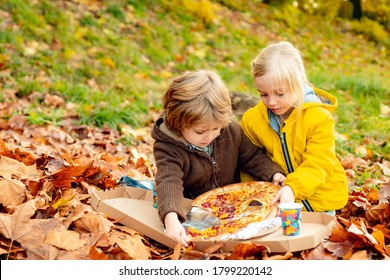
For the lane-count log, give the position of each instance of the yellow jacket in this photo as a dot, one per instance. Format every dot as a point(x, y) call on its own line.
point(318, 175)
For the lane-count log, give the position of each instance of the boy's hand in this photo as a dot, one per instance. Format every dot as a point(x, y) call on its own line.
point(174, 229)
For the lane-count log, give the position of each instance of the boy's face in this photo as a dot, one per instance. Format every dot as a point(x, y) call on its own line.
point(202, 134)
point(276, 98)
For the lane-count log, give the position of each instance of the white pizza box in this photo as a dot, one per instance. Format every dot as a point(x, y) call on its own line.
point(133, 207)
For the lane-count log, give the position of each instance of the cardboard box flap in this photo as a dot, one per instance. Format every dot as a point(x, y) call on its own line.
point(133, 207)
point(125, 192)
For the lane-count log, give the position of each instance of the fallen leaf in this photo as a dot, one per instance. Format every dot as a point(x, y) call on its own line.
point(320, 253)
point(66, 239)
point(12, 192)
point(245, 250)
point(94, 222)
point(132, 245)
point(20, 227)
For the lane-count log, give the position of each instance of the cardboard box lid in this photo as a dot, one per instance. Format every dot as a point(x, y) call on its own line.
point(134, 208)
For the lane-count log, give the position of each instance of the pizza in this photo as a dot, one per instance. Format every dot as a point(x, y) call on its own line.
point(236, 206)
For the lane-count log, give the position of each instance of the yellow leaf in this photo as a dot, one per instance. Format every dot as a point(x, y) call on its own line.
point(108, 61)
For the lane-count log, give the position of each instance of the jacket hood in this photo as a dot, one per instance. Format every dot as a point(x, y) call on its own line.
point(318, 97)
point(163, 133)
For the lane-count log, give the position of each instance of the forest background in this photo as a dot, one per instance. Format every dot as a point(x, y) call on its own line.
point(105, 65)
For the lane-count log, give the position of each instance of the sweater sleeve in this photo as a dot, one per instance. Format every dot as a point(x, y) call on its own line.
point(254, 160)
point(169, 183)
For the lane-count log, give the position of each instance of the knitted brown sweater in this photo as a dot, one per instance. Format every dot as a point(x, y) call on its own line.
point(184, 172)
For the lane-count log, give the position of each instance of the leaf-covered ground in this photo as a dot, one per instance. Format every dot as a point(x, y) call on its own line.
point(47, 172)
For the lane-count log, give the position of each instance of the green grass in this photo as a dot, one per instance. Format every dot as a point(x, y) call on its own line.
point(114, 59)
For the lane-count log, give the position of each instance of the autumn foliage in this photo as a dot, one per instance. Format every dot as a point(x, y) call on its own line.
point(47, 174)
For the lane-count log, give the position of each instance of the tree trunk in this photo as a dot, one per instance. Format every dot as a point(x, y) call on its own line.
point(357, 9)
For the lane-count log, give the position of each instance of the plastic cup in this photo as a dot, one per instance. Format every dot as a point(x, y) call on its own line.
point(290, 214)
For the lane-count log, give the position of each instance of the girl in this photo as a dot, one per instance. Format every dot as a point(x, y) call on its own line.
point(198, 147)
point(294, 123)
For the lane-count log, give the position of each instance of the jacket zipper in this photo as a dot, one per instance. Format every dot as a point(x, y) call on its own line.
point(214, 164)
point(290, 167)
point(214, 171)
point(286, 154)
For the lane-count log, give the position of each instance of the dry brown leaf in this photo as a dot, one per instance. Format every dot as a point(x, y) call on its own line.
point(20, 227)
point(83, 252)
point(384, 193)
point(176, 252)
point(94, 222)
point(193, 255)
point(339, 233)
point(18, 122)
point(377, 214)
point(66, 176)
point(96, 254)
point(286, 256)
point(359, 255)
point(79, 211)
point(338, 249)
point(12, 192)
point(42, 251)
point(14, 226)
point(380, 239)
point(319, 253)
point(13, 169)
point(132, 245)
point(245, 250)
point(54, 100)
point(66, 239)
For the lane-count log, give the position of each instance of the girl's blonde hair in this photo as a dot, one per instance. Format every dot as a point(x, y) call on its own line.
point(284, 63)
point(196, 97)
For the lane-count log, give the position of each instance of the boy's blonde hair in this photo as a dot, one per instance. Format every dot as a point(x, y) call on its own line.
point(284, 63)
point(196, 97)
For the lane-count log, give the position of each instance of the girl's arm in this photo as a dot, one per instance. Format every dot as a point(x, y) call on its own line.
point(319, 157)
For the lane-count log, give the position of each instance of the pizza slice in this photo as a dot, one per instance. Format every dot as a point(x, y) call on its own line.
point(236, 206)
point(231, 200)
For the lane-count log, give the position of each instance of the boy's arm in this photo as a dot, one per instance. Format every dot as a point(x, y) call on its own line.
point(254, 161)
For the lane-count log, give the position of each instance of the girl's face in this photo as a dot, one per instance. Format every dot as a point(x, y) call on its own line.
point(276, 98)
point(201, 134)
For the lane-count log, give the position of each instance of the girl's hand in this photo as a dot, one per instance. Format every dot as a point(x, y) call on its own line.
point(174, 229)
point(278, 179)
point(285, 194)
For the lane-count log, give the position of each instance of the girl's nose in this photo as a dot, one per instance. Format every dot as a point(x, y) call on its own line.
point(271, 101)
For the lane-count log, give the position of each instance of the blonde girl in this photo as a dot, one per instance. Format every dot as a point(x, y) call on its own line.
point(294, 123)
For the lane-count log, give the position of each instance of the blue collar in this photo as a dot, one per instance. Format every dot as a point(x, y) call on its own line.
point(208, 149)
